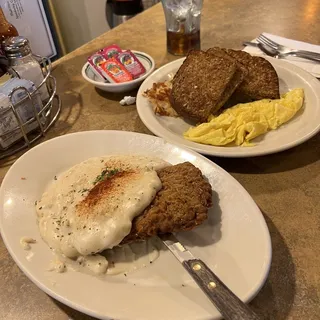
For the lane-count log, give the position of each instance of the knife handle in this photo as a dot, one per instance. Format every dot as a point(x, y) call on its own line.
point(306, 56)
point(229, 305)
point(310, 53)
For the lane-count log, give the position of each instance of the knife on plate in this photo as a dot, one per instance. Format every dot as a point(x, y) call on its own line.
point(228, 304)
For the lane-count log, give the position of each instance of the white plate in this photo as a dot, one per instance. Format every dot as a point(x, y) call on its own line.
point(235, 242)
point(301, 128)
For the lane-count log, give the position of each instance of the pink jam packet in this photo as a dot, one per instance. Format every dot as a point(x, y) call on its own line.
point(131, 63)
point(110, 51)
point(95, 62)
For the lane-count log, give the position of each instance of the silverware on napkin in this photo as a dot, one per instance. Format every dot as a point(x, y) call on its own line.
point(284, 49)
point(229, 305)
point(276, 54)
point(270, 51)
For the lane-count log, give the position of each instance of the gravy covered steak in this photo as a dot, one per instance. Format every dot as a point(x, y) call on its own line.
point(106, 201)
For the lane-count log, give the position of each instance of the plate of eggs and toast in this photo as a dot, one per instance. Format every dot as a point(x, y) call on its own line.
point(228, 103)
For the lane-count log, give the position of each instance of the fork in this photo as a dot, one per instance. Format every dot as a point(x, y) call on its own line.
point(270, 51)
point(285, 50)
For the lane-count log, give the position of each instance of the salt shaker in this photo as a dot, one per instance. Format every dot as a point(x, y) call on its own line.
point(23, 63)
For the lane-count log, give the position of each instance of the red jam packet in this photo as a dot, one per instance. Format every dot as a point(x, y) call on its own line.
point(131, 63)
point(111, 51)
point(114, 71)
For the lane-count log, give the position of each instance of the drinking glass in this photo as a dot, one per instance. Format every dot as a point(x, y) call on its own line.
point(183, 25)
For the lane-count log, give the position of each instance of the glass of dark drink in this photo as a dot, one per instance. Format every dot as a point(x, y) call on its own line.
point(183, 25)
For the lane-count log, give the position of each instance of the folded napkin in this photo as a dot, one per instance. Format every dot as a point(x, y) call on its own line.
point(310, 66)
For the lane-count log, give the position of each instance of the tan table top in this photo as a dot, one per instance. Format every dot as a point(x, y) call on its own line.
point(285, 185)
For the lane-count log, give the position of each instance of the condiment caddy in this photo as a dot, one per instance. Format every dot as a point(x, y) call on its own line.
point(29, 104)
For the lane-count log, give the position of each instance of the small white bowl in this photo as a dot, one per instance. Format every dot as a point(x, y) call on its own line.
point(144, 58)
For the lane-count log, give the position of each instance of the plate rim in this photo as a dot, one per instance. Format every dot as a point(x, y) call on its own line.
point(51, 292)
point(164, 133)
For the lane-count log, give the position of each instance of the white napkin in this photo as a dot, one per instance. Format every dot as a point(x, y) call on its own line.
point(310, 66)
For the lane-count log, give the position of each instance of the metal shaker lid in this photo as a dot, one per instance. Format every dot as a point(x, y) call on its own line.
point(16, 47)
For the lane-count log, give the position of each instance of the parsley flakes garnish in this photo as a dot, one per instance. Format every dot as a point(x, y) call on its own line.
point(105, 174)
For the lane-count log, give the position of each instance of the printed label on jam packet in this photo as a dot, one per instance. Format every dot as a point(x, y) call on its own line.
point(95, 62)
point(111, 51)
point(115, 71)
point(131, 62)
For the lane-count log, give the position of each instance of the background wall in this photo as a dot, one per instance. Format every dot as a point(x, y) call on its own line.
point(80, 20)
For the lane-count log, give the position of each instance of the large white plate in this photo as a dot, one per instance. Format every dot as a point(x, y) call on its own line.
point(235, 242)
point(301, 128)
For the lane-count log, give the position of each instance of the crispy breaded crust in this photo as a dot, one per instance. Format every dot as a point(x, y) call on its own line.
point(180, 205)
point(199, 85)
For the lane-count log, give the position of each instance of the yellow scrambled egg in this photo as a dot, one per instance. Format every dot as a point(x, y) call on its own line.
point(246, 121)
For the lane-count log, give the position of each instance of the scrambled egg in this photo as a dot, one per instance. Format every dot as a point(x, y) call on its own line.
point(246, 121)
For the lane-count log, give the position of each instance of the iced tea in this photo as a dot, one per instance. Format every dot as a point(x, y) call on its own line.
point(183, 25)
point(180, 43)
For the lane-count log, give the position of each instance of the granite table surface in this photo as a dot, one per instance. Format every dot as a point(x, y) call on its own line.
point(285, 185)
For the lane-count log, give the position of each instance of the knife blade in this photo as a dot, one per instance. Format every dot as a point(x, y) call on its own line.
point(228, 304)
point(250, 44)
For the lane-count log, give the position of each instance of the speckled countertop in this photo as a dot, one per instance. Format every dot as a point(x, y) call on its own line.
point(286, 186)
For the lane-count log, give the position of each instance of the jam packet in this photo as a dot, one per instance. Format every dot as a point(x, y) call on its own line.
point(111, 51)
point(131, 63)
point(95, 62)
point(114, 71)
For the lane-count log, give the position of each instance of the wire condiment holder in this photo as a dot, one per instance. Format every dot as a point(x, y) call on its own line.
point(42, 120)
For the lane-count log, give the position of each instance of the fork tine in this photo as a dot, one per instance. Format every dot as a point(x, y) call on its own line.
point(265, 42)
point(268, 41)
point(271, 41)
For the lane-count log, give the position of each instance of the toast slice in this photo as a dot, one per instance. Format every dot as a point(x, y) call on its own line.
point(262, 80)
point(240, 74)
point(181, 204)
point(199, 86)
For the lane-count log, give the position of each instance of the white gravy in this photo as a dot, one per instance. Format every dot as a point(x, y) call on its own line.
point(80, 214)
point(119, 260)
